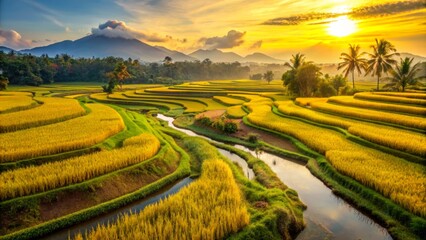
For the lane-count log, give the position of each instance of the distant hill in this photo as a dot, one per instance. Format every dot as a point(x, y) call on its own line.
point(263, 58)
point(176, 55)
point(6, 49)
point(102, 46)
point(216, 55)
point(416, 57)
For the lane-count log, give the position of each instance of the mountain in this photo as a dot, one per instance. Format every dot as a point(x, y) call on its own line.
point(175, 55)
point(102, 46)
point(260, 57)
point(6, 49)
point(216, 55)
point(417, 58)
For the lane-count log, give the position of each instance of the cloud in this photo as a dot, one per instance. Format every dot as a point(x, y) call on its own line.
point(371, 11)
point(116, 28)
point(256, 45)
point(232, 39)
point(12, 39)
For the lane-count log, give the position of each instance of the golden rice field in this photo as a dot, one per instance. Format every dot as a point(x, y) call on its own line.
point(308, 101)
point(212, 207)
point(34, 179)
point(367, 114)
point(235, 112)
point(407, 141)
point(387, 98)
point(73, 134)
point(228, 100)
point(383, 172)
point(52, 110)
point(350, 101)
point(15, 101)
point(403, 94)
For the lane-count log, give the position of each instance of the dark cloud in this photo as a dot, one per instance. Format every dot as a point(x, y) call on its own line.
point(378, 10)
point(256, 45)
point(116, 28)
point(12, 39)
point(297, 19)
point(232, 39)
point(388, 9)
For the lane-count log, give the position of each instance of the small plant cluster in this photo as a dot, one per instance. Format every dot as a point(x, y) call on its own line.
point(223, 124)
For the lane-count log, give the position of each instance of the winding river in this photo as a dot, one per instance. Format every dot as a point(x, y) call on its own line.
point(327, 216)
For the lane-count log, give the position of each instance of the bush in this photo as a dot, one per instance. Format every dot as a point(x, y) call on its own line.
point(205, 121)
point(230, 127)
point(253, 138)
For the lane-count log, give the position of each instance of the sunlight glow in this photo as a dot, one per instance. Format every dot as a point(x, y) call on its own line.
point(342, 26)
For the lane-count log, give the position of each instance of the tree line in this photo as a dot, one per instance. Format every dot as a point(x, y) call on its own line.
point(305, 78)
point(26, 69)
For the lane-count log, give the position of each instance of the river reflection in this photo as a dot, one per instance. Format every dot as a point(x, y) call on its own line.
point(327, 216)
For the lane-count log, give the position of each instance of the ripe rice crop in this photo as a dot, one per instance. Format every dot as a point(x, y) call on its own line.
point(394, 99)
point(52, 110)
point(15, 101)
point(34, 179)
point(308, 101)
point(73, 134)
point(403, 140)
point(250, 97)
point(350, 101)
point(235, 112)
point(395, 178)
point(212, 207)
point(228, 100)
point(403, 94)
point(400, 119)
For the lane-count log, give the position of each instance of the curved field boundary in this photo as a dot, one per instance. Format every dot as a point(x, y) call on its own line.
point(51, 111)
point(189, 105)
point(33, 179)
point(228, 101)
point(391, 99)
point(73, 134)
point(368, 166)
point(16, 101)
point(102, 97)
point(366, 114)
point(401, 223)
point(392, 138)
point(403, 94)
point(235, 112)
point(388, 107)
point(37, 231)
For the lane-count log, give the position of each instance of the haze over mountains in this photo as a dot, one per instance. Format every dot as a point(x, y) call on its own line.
point(104, 46)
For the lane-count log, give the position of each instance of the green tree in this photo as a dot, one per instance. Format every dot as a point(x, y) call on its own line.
point(338, 82)
point(3, 83)
point(257, 76)
point(268, 76)
point(352, 61)
point(296, 61)
point(403, 75)
point(381, 59)
point(117, 76)
point(307, 78)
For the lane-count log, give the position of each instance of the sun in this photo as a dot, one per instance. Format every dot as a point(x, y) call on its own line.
point(341, 27)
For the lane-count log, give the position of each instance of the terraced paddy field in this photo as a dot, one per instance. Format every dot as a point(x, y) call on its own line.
point(75, 158)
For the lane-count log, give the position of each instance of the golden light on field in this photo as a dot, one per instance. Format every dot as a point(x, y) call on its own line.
point(341, 27)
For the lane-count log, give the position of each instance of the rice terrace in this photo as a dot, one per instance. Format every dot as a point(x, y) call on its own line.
point(212, 120)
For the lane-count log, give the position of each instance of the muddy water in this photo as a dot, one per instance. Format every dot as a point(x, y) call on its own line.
point(327, 216)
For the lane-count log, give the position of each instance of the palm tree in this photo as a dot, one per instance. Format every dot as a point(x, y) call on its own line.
point(352, 61)
point(297, 61)
point(403, 74)
point(381, 60)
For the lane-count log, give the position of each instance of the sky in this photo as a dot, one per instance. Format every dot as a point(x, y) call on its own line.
point(279, 28)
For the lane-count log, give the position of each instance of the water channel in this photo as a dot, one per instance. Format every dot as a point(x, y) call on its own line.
point(327, 216)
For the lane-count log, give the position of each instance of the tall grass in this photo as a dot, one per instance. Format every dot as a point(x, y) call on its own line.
point(210, 208)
